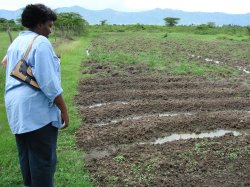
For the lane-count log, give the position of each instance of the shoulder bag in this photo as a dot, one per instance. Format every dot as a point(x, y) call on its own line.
point(22, 71)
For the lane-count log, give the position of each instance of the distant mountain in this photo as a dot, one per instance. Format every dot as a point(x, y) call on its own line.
point(151, 17)
point(9, 14)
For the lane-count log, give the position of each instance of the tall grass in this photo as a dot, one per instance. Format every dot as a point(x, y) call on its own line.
point(70, 168)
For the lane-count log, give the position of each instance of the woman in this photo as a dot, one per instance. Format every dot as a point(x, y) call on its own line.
point(35, 116)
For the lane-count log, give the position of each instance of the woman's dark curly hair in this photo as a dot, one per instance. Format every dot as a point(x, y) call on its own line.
point(35, 14)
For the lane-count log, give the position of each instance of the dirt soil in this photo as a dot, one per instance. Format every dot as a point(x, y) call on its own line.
point(124, 113)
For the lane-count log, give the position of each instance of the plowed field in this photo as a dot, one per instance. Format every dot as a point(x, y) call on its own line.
point(125, 115)
point(144, 129)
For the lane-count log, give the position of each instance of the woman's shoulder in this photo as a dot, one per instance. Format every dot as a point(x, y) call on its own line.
point(41, 40)
point(26, 37)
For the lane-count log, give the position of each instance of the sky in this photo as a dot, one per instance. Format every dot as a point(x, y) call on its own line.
point(226, 6)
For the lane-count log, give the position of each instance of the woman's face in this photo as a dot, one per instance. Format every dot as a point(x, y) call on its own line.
point(45, 28)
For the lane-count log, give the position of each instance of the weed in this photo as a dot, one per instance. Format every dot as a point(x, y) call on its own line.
point(112, 180)
point(248, 153)
point(197, 146)
point(165, 35)
point(119, 158)
point(233, 155)
point(141, 172)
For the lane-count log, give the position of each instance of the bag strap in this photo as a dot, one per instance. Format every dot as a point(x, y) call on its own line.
point(28, 50)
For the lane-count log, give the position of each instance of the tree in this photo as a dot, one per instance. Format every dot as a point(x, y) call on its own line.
point(170, 21)
point(19, 21)
point(71, 21)
point(69, 18)
point(103, 22)
point(3, 20)
point(248, 30)
point(9, 25)
point(211, 24)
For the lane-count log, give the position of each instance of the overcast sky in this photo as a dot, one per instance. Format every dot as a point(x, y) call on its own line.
point(227, 6)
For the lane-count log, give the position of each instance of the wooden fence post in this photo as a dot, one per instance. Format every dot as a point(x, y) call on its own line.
point(8, 31)
point(62, 29)
point(54, 30)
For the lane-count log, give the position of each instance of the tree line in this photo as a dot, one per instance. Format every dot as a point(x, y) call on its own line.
point(69, 22)
point(66, 23)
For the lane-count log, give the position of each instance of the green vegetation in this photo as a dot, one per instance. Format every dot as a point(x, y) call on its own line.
point(140, 172)
point(70, 170)
point(170, 21)
point(103, 22)
point(178, 53)
point(4, 23)
point(203, 29)
point(9, 168)
point(112, 180)
point(137, 173)
point(68, 24)
point(119, 158)
point(71, 23)
point(178, 50)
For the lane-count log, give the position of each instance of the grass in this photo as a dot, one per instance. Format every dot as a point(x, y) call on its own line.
point(70, 168)
point(167, 54)
point(119, 158)
point(199, 69)
point(9, 167)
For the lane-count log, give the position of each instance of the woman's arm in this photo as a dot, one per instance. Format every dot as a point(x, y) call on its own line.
point(46, 71)
point(4, 61)
point(59, 101)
